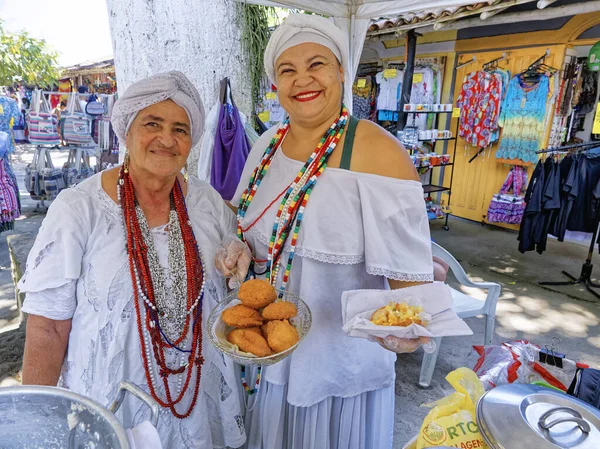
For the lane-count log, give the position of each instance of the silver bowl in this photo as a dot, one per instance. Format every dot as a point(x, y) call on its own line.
point(218, 330)
point(55, 418)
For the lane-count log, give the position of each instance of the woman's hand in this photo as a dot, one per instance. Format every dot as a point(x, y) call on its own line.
point(402, 345)
point(232, 260)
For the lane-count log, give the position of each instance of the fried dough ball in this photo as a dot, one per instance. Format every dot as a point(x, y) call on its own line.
point(266, 328)
point(256, 330)
point(241, 316)
point(281, 310)
point(281, 335)
point(257, 293)
point(250, 340)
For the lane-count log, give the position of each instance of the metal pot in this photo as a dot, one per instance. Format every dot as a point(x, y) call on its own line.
point(520, 416)
point(52, 418)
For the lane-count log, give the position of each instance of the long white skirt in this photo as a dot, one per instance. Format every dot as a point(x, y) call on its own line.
point(365, 421)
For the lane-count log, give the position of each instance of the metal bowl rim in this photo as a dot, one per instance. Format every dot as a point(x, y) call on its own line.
point(74, 397)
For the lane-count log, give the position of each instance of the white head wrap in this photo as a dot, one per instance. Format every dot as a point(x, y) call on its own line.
point(172, 85)
point(299, 29)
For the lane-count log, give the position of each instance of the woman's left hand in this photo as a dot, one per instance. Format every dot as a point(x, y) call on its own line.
point(232, 260)
point(401, 345)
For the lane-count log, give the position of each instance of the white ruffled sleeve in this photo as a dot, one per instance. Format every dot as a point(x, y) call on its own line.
point(54, 262)
point(396, 229)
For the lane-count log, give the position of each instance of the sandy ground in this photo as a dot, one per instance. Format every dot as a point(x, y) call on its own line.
point(525, 310)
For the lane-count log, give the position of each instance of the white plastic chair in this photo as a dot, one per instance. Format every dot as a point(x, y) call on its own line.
point(465, 306)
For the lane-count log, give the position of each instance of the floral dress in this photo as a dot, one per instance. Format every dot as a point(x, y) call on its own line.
point(479, 103)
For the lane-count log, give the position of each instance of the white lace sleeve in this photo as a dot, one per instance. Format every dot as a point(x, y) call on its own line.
point(54, 303)
point(397, 239)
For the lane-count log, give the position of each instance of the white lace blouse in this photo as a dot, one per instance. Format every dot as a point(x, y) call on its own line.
point(358, 229)
point(78, 268)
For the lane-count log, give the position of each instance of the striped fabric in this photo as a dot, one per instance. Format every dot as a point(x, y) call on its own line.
point(43, 128)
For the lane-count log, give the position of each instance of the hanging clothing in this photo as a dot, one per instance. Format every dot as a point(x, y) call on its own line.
point(479, 103)
point(589, 92)
point(10, 207)
point(560, 198)
point(9, 116)
point(523, 119)
point(503, 76)
point(357, 230)
point(363, 98)
point(390, 90)
point(583, 215)
point(230, 152)
point(208, 142)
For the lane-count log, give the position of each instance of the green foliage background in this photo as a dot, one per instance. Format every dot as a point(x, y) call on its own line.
point(26, 60)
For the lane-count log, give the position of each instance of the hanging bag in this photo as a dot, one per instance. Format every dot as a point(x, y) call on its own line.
point(94, 107)
point(42, 124)
point(77, 167)
point(505, 207)
point(231, 146)
point(77, 128)
point(52, 179)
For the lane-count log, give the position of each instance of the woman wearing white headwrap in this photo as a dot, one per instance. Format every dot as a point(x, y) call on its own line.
point(122, 273)
point(352, 217)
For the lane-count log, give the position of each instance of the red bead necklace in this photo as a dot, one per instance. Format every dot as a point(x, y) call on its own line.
point(145, 305)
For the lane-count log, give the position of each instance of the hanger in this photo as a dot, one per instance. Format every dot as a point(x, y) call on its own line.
point(223, 94)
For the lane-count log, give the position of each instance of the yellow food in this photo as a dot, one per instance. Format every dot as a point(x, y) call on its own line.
point(281, 335)
point(250, 340)
point(398, 314)
point(281, 310)
point(257, 293)
point(241, 316)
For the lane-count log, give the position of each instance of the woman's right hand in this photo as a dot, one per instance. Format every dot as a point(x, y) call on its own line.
point(401, 345)
point(232, 260)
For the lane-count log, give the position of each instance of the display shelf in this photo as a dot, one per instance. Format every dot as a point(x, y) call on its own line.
point(435, 166)
point(432, 188)
point(427, 112)
point(515, 162)
point(437, 140)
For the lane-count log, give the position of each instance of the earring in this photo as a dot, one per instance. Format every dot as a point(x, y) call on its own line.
point(126, 162)
point(185, 173)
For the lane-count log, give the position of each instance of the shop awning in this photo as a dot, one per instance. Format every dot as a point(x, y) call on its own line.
point(355, 17)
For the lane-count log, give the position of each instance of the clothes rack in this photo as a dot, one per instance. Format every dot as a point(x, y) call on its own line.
point(494, 62)
point(471, 61)
point(585, 277)
point(569, 147)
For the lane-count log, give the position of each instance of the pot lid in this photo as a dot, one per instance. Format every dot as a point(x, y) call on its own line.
point(528, 416)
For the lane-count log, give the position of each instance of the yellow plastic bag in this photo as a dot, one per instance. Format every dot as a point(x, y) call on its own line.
point(452, 420)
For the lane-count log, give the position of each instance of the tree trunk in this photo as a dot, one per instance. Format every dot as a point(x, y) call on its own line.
point(201, 38)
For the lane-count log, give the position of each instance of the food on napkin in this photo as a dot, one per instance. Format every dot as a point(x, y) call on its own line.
point(399, 314)
point(257, 293)
point(438, 318)
point(241, 316)
point(249, 340)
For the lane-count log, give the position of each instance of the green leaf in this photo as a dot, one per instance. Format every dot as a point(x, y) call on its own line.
point(27, 58)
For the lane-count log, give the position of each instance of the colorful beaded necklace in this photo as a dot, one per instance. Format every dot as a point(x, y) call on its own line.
point(153, 340)
point(291, 209)
point(249, 390)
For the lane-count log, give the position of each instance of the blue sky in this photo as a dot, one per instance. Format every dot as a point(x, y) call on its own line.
point(77, 29)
